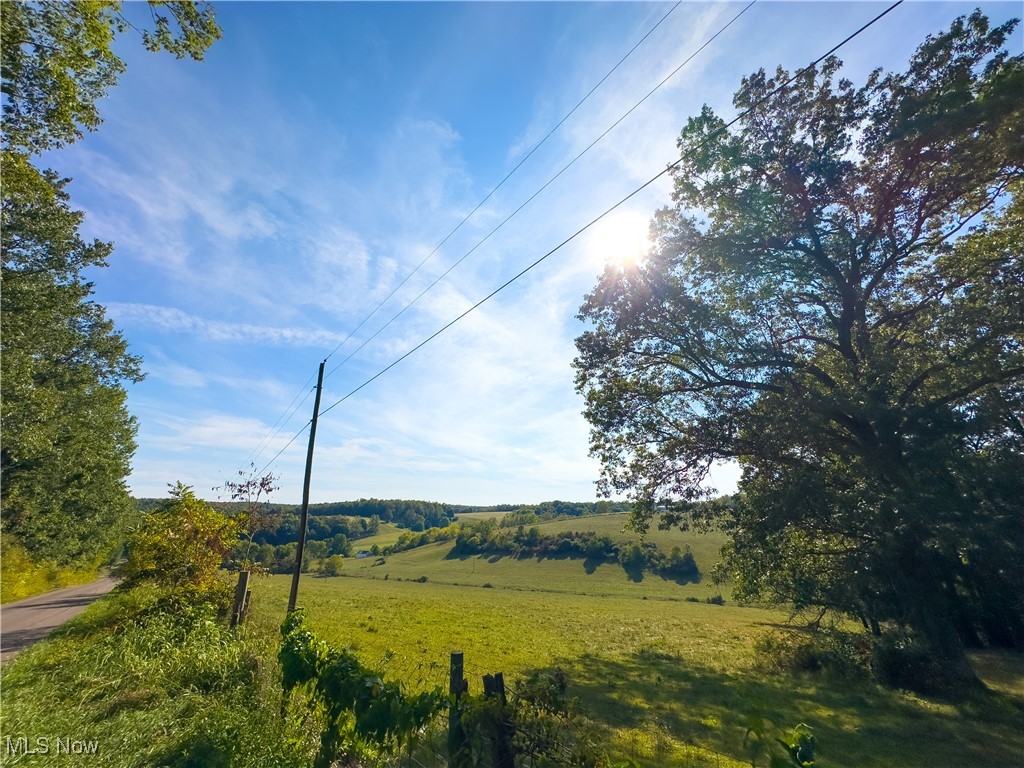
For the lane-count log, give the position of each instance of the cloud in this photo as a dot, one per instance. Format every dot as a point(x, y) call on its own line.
point(286, 236)
point(175, 320)
point(159, 366)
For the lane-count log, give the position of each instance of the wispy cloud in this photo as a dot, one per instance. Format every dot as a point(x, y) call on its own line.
point(256, 225)
point(178, 321)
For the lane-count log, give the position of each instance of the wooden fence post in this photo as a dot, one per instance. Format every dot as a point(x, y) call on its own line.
point(501, 742)
point(242, 594)
point(458, 743)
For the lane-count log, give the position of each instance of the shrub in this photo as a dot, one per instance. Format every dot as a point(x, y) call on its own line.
point(904, 662)
point(167, 685)
point(333, 565)
point(841, 654)
point(359, 708)
point(181, 546)
point(21, 576)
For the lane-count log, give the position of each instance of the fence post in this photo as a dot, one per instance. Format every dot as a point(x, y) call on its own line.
point(501, 741)
point(241, 599)
point(458, 744)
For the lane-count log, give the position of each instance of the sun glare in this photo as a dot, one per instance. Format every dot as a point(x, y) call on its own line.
point(621, 240)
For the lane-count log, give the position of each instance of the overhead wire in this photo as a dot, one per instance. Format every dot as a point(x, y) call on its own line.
point(284, 448)
point(669, 168)
point(289, 410)
point(501, 183)
point(532, 197)
point(282, 420)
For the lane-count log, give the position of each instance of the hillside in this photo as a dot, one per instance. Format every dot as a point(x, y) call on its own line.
point(438, 564)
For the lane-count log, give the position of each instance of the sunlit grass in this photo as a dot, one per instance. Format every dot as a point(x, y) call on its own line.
point(670, 682)
point(150, 688)
point(386, 535)
point(560, 574)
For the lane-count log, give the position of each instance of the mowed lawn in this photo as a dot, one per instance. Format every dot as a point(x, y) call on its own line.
point(670, 682)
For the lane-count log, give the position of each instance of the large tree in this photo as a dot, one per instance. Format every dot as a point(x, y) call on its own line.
point(67, 437)
point(836, 300)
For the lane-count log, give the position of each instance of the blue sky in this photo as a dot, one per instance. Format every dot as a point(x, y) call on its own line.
point(264, 201)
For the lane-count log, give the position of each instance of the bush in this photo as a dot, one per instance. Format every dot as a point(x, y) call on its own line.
point(904, 663)
point(333, 565)
point(841, 654)
point(167, 683)
point(21, 576)
point(181, 546)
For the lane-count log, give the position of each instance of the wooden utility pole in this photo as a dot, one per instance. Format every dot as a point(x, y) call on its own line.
point(293, 596)
point(458, 741)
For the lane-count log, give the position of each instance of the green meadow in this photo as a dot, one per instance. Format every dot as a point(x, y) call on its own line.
point(386, 535)
point(668, 679)
point(560, 574)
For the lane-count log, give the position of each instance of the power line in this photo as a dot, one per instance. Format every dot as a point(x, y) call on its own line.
point(531, 198)
point(285, 447)
point(500, 183)
point(282, 420)
point(672, 166)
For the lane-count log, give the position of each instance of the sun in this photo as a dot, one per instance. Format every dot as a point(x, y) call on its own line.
point(621, 240)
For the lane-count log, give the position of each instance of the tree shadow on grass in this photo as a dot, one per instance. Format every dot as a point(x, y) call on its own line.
point(634, 573)
point(856, 723)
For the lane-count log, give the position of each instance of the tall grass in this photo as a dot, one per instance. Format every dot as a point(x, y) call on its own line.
point(153, 682)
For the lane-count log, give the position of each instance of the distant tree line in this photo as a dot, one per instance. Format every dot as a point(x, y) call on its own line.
point(531, 514)
point(362, 518)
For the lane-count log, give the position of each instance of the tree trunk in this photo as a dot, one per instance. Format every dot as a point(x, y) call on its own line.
point(944, 641)
point(931, 615)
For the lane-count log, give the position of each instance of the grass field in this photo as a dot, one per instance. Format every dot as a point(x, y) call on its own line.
point(671, 682)
point(480, 515)
point(386, 535)
point(564, 575)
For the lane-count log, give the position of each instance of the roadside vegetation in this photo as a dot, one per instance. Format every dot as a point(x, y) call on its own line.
point(152, 674)
point(23, 576)
point(844, 319)
point(66, 436)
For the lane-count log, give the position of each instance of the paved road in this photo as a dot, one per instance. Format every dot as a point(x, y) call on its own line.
point(25, 621)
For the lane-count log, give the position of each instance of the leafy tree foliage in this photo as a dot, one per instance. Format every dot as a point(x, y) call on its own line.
point(252, 491)
point(67, 437)
point(181, 546)
point(333, 565)
point(835, 300)
point(58, 62)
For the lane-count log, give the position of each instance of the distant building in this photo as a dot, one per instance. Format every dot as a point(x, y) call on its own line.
point(361, 554)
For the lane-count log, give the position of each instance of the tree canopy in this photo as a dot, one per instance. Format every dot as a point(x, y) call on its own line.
point(836, 300)
point(67, 437)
